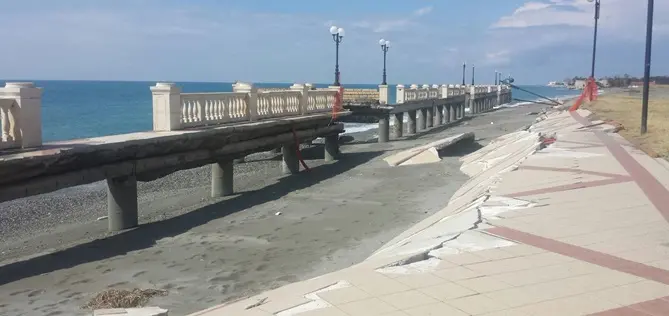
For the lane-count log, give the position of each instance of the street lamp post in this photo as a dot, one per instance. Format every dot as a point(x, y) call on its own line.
point(496, 77)
point(385, 45)
point(473, 73)
point(337, 36)
point(594, 40)
point(646, 71)
point(464, 70)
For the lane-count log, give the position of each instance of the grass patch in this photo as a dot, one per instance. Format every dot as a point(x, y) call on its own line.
point(625, 108)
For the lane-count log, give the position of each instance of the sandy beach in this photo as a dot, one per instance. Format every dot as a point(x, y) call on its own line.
point(56, 254)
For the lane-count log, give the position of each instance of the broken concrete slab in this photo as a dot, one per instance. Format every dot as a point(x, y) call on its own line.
point(427, 156)
point(142, 311)
point(401, 157)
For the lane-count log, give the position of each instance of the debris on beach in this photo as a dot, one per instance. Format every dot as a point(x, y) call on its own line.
point(102, 218)
point(123, 298)
point(278, 213)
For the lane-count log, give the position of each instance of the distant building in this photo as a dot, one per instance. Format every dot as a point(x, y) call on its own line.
point(579, 84)
point(604, 83)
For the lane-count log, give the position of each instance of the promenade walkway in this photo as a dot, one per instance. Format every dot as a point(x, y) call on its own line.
point(570, 225)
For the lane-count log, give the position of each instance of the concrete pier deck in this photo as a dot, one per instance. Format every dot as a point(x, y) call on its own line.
point(567, 218)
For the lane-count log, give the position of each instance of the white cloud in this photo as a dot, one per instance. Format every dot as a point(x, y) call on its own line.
point(390, 24)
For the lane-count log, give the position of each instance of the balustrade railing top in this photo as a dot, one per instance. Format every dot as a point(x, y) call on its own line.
point(174, 110)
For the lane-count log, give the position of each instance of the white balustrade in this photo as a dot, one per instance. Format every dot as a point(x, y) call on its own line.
point(20, 115)
point(278, 103)
point(174, 110)
point(202, 109)
point(320, 101)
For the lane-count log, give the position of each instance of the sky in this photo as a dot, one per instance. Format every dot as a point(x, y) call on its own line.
point(289, 41)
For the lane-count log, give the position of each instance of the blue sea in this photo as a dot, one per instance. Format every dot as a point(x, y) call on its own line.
point(81, 109)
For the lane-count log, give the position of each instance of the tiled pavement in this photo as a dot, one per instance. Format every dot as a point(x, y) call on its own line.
point(577, 228)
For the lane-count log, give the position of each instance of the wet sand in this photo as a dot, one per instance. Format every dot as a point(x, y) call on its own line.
point(56, 255)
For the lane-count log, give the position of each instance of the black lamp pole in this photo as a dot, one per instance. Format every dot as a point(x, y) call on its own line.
point(594, 40)
point(495, 77)
point(384, 48)
point(337, 36)
point(646, 72)
point(473, 73)
point(464, 69)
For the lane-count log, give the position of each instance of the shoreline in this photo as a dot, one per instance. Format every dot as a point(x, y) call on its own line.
point(206, 251)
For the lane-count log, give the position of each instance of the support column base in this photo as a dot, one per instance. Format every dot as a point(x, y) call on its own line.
point(122, 203)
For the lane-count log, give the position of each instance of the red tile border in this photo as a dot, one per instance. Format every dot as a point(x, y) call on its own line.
point(656, 307)
point(574, 170)
point(584, 254)
point(568, 187)
point(653, 189)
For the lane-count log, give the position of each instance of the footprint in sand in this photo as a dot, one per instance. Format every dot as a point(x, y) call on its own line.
point(19, 292)
point(116, 284)
point(73, 294)
point(35, 293)
point(84, 281)
point(138, 274)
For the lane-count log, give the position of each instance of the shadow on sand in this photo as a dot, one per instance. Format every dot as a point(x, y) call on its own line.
point(146, 235)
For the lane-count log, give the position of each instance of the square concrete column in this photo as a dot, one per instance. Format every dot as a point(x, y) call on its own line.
point(449, 115)
point(122, 203)
point(383, 94)
point(439, 117)
point(429, 117)
point(290, 163)
point(422, 114)
point(398, 127)
point(400, 94)
point(384, 128)
point(24, 120)
point(411, 123)
point(222, 176)
point(331, 147)
point(166, 106)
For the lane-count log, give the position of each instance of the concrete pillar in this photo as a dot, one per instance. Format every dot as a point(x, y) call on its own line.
point(429, 117)
point(422, 113)
point(473, 109)
point(222, 179)
point(290, 163)
point(383, 94)
point(400, 94)
point(25, 118)
point(398, 127)
point(166, 106)
point(384, 129)
point(411, 123)
point(122, 203)
point(331, 147)
point(439, 117)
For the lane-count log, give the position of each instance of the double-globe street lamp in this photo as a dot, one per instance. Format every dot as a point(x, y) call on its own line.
point(385, 45)
point(337, 36)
